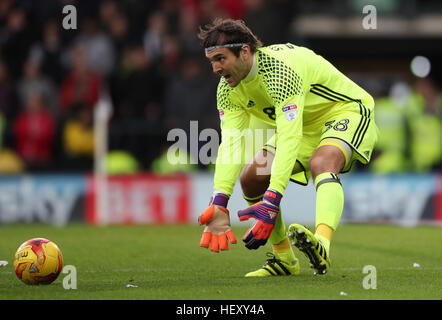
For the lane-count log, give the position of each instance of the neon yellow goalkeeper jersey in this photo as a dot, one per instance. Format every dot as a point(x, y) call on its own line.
point(288, 87)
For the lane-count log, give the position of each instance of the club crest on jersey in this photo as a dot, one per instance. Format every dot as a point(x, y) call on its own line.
point(290, 111)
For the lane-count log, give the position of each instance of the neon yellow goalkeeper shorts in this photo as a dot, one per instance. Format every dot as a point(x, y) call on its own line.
point(354, 125)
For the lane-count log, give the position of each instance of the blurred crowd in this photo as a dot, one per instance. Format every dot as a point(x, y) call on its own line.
point(409, 117)
point(146, 56)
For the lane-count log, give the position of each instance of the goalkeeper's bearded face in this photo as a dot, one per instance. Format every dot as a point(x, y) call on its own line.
point(226, 64)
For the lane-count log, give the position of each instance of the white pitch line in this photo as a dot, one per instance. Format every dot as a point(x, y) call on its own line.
point(392, 268)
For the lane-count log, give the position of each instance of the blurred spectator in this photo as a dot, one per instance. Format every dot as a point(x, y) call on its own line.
point(119, 34)
point(431, 95)
point(260, 15)
point(232, 8)
point(410, 127)
point(121, 162)
point(171, 55)
point(78, 139)
point(137, 90)
point(114, 22)
point(182, 161)
point(2, 129)
point(33, 81)
point(34, 130)
point(171, 9)
point(208, 11)
point(48, 52)
point(8, 98)
point(188, 39)
point(424, 106)
point(391, 119)
point(97, 45)
point(81, 86)
point(137, 86)
point(5, 9)
point(191, 95)
point(10, 162)
point(15, 41)
point(107, 11)
point(136, 12)
point(154, 36)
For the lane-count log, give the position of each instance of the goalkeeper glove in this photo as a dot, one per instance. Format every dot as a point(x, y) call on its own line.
point(265, 212)
point(216, 218)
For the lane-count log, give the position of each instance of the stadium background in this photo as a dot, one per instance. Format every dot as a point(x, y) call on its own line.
point(146, 57)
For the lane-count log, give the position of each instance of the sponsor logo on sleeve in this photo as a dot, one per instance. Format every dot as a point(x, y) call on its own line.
point(290, 111)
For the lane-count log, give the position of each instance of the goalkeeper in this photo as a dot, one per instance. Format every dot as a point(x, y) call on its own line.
point(323, 122)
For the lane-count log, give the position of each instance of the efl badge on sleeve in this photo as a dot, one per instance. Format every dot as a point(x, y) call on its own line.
point(290, 111)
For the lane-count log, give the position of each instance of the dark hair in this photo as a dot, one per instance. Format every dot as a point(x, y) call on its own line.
point(228, 31)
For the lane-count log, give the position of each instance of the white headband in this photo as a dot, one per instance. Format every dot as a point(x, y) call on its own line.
point(229, 45)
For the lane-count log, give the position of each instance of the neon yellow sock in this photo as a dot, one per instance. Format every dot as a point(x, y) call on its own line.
point(284, 251)
point(329, 200)
point(324, 233)
point(325, 242)
point(279, 233)
point(283, 246)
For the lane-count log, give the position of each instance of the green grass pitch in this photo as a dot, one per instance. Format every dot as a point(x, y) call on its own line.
point(166, 263)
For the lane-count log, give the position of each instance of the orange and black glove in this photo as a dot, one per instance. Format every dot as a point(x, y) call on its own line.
point(216, 217)
point(265, 212)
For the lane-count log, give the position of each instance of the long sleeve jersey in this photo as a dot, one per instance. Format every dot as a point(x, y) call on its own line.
point(287, 87)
